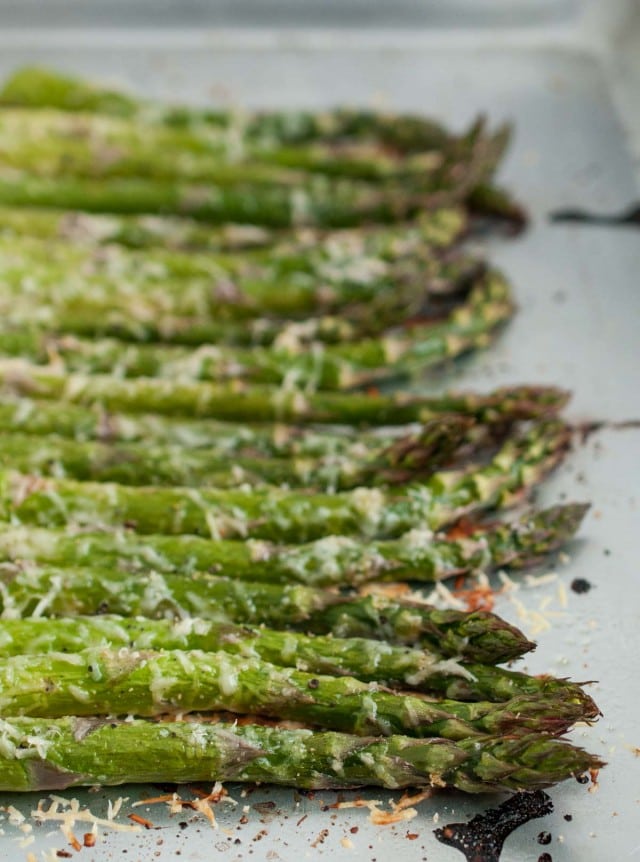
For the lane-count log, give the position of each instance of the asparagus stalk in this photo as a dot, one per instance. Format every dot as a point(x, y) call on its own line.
point(371, 661)
point(41, 419)
point(70, 752)
point(106, 681)
point(405, 134)
point(319, 202)
point(89, 318)
point(365, 659)
point(431, 232)
point(416, 454)
point(49, 591)
point(52, 143)
point(307, 273)
point(33, 87)
point(191, 313)
point(239, 403)
point(468, 327)
point(278, 514)
point(42, 88)
point(335, 560)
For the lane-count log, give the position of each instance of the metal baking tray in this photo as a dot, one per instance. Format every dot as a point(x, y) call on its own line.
point(578, 325)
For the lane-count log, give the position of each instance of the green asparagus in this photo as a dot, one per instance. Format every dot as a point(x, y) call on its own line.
point(232, 403)
point(28, 590)
point(420, 670)
point(35, 87)
point(38, 755)
point(367, 361)
point(335, 560)
point(298, 276)
point(416, 454)
point(437, 230)
point(200, 130)
point(283, 515)
point(104, 681)
point(53, 143)
point(55, 423)
point(319, 202)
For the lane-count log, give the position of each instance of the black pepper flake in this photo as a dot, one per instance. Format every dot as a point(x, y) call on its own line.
point(580, 585)
point(544, 838)
point(313, 683)
point(545, 857)
point(582, 779)
point(568, 817)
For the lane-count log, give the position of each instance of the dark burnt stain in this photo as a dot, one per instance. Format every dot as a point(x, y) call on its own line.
point(629, 217)
point(483, 837)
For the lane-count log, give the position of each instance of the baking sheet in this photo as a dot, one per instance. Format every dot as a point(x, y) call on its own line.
point(578, 326)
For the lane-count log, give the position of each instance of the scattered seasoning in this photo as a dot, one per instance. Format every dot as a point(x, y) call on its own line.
point(582, 779)
point(580, 585)
point(568, 817)
point(480, 598)
point(320, 838)
point(400, 811)
point(545, 857)
point(482, 838)
point(64, 854)
point(544, 838)
point(89, 839)
point(141, 820)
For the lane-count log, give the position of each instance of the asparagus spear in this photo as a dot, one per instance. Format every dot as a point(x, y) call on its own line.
point(416, 454)
point(335, 560)
point(49, 591)
point(369, 660)
point(326, 367)
point(239, 403)
point(191, 313)
point(405, 134)
point(42, 419)
point(142, 323)
point(51, 143)
point(319, 202)
point(55, 754)
point(106, 681)
point(288, 515)
point(32, 87)
point(435, 230)
point(174, 291)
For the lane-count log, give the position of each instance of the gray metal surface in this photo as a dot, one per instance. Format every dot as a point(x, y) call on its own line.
point(285, 13)
point(578, 325)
